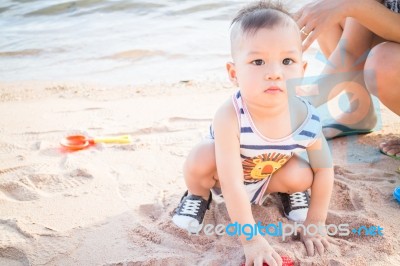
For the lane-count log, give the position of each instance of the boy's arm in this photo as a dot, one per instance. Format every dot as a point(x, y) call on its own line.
point(321, 189)
point(230, 172)
point(229, 165)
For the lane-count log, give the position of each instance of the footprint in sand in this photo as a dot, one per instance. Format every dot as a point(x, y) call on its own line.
point(11, 188)
point(14, 190)
point(52, 183)
point(25, 186)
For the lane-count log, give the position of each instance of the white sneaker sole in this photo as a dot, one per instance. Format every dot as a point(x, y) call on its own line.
point(298, 215)
point(187, 223)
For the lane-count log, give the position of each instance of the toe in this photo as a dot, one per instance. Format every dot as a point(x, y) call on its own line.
point(391, 147)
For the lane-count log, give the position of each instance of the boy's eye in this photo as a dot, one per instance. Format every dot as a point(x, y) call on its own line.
point(287, 61)
point(258, 62)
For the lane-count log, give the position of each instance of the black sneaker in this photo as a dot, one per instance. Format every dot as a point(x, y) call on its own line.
point(295, 206)
point(190, 212)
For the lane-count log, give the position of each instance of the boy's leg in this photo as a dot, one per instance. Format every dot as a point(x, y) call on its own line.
point(200, 176)
point(296, 175)
point(294, 178)
point(200, 169)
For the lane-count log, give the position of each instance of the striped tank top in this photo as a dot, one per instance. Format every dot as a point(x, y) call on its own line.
point(262, 156)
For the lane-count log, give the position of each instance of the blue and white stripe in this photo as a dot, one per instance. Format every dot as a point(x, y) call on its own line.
point(253, 143)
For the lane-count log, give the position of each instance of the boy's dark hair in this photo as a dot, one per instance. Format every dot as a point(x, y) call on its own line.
point(262, 14)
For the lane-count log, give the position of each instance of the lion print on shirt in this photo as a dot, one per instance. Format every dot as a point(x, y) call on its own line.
point(263, 166)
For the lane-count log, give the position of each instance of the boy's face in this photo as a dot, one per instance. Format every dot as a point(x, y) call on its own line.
point(264, 61)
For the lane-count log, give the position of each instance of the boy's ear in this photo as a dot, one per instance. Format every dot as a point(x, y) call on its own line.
point(230, 67)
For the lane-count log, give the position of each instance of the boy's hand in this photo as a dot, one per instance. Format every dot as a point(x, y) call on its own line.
point(317, 241)
point(258, 250)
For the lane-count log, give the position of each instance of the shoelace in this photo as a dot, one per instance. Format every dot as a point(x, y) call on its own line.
point(298, 199)
point(191, 207)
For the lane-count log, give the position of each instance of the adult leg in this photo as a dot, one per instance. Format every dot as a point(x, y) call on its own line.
point(383, 80)
point(329, 39)
point(344, 74)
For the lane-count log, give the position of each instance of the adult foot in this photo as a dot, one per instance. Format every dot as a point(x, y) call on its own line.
point(358, 118)
point(332, 128)
point(391, 148)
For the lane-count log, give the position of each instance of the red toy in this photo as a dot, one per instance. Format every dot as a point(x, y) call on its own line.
point(286, 261)
point(79, 142)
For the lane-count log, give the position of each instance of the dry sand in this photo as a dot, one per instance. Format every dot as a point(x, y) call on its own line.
point(112, 204)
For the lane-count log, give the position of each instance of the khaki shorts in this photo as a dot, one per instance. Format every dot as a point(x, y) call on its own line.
point(255, 191)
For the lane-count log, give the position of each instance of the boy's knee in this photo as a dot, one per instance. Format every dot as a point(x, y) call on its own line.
point(300, 183)
point(200, 160)
point(299, 180)
point(192, 166)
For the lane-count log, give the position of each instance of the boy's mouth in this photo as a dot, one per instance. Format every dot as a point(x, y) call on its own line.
point(273, 89)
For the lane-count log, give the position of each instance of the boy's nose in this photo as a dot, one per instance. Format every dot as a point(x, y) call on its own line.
point(273, 72)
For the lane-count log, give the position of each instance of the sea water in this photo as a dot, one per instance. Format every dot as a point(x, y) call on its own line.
point(116, 41)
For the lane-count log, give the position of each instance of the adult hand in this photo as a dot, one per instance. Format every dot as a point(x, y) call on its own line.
point(258, 251)
point(319, 16)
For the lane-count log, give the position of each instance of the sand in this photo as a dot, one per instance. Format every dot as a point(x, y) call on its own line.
point(111, 204)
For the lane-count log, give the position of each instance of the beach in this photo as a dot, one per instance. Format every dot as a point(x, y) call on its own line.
point(111, 204)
